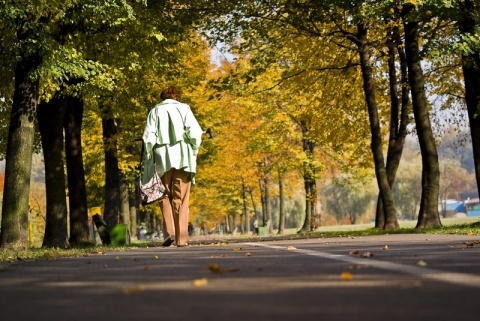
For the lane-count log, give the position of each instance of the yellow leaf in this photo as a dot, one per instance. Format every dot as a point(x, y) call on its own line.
point(346, 276)
point(422, 263)
point(200, 282)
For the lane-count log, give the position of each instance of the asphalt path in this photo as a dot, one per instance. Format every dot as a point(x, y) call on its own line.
point(389, 277)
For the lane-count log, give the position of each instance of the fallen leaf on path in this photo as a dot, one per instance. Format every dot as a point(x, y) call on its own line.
point(385, 248)
point(155, 257)
point(215, 268)
point(422, 263)
point(291, 248)
point(147, 267)
point(367, 254)
point(237, 249)
point(364, 254)
point(200, 282)
point(248, 254)
point(471, 244)
point(347, 276)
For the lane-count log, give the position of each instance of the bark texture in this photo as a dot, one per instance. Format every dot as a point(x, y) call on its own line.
point(77, 193)
point(376, 144)
point(51, 129)
point(309, 180)
point(428, 215)
point(15, 208)
point(471, 76)
point(112, 171)
point(398, 117)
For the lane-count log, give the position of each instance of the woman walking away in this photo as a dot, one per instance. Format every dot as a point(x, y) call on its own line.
point(172, 138)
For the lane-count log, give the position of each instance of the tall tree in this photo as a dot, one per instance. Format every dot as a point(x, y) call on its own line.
point(399, 108)
point(52, 141)
point(77, 193)
point(29, 24)
point(112, 170)
point(377, 146)
point(469, 25)
point(281, 196)
point(428, 214)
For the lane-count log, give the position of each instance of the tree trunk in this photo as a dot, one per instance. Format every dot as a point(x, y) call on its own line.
point(309, 181)
point(51, 129)
point(77, 193)
point(234, 223)
point(376, 144)
point(245, 208)
point(254, 205)
point(133, 213)
point(398, 119)
point(428, 214)
point(124, 200)
point(112, 171)
point(265, 197)
point(15, 207)
point(281, 216)
point(262, 200)
point(471, 75)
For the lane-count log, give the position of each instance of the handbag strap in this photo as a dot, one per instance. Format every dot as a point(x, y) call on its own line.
point(141, 156)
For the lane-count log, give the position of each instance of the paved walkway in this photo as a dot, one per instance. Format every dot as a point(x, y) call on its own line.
point(389, 277)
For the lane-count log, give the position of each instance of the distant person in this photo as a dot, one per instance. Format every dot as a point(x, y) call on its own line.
point(190, 229)
point(172, 138)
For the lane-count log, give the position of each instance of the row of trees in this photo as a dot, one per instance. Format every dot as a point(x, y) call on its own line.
point(104, 62)
point(307, 57)
point(313, 86)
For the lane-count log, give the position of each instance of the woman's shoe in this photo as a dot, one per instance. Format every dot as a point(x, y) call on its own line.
point(182, 245)
point(168, 241)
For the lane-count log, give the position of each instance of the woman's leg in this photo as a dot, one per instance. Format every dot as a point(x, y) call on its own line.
point(181, 183)
point(168, 227)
